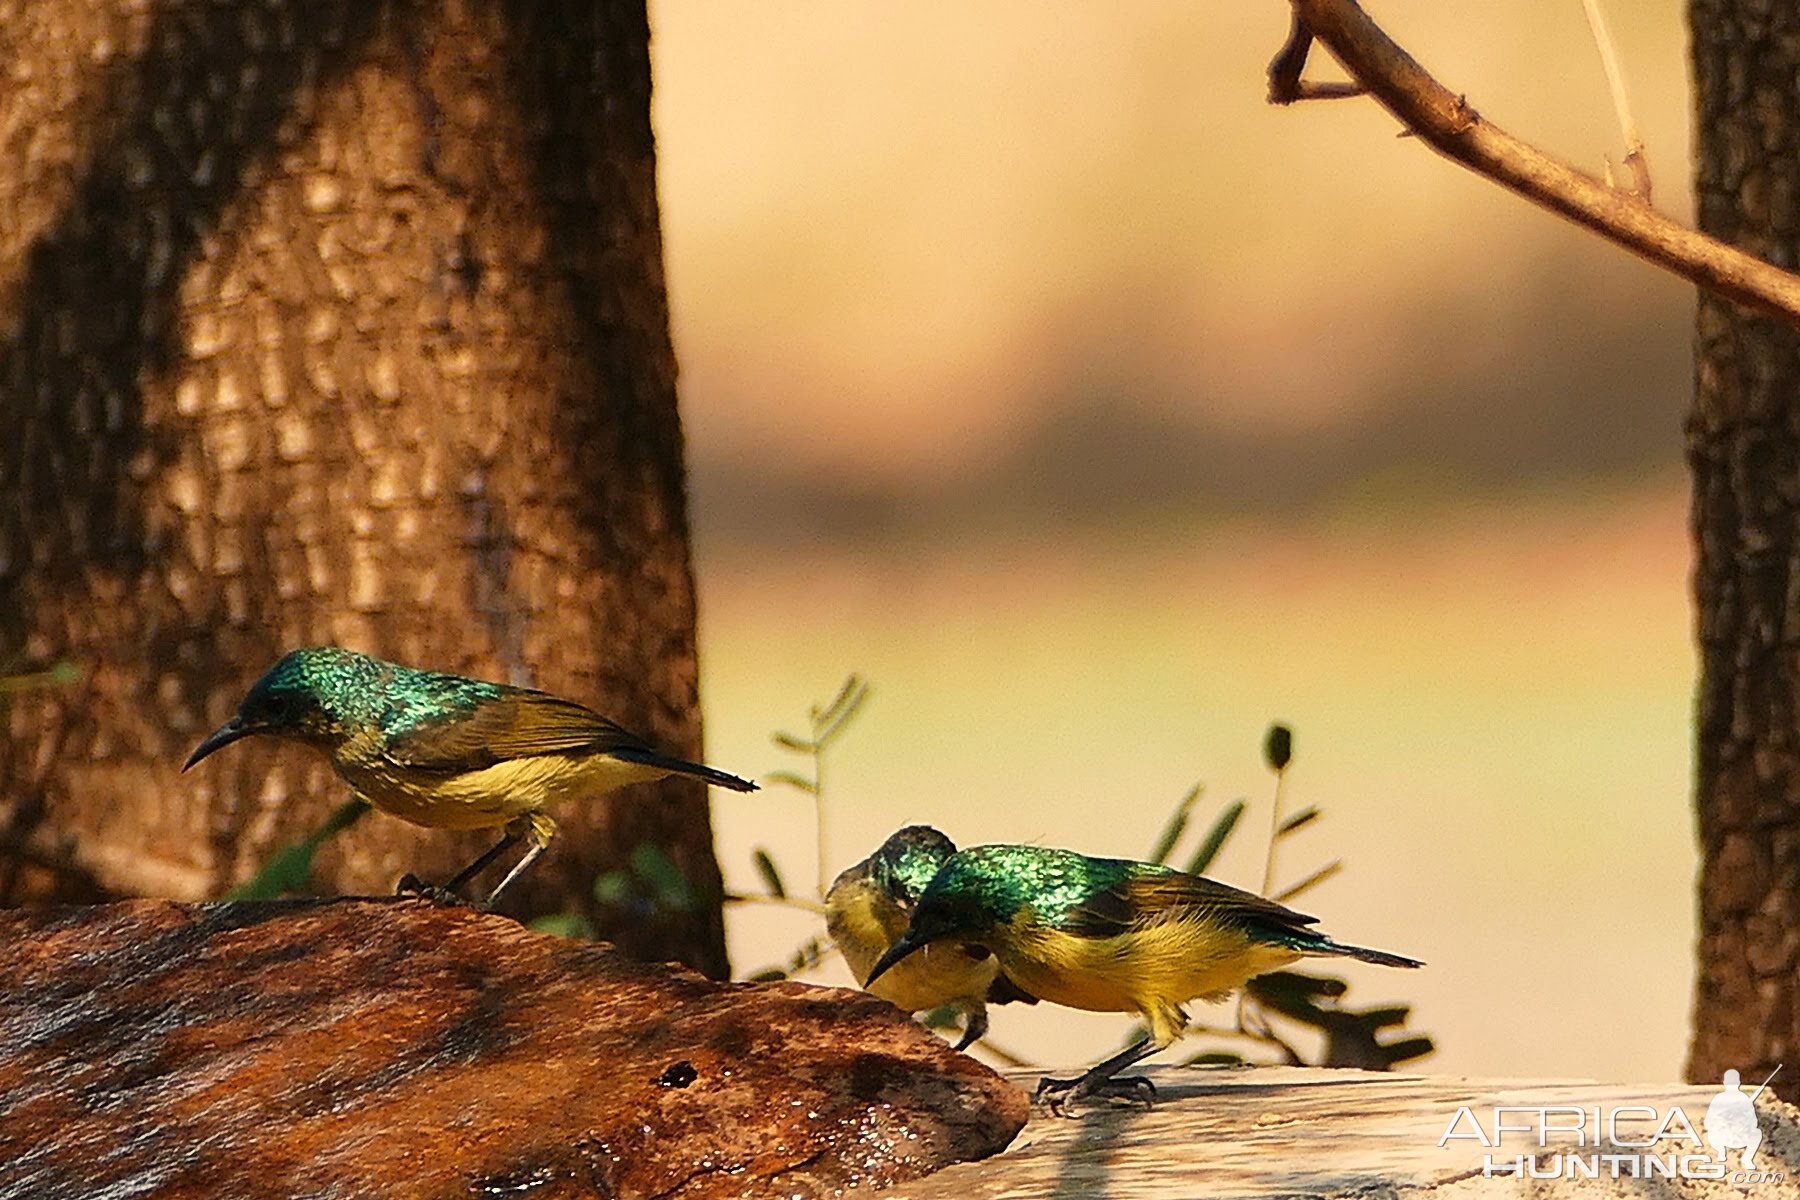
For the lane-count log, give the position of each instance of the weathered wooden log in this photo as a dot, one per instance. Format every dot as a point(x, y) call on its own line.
point(1284, 1132)
point(352, 1048)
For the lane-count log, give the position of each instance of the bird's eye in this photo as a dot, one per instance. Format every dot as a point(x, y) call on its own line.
point(277, 708)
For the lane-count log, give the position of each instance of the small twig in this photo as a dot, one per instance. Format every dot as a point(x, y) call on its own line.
point(1330, 90)
point(1285, 82)
point(814, 907)
point(1454, 129)
point(1615, 81)
point(1311, 881)
point(1289, 62)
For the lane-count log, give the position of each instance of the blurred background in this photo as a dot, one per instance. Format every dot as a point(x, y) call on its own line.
point(1100, 414)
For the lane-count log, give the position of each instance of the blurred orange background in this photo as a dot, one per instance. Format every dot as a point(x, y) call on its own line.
point(1100, 414)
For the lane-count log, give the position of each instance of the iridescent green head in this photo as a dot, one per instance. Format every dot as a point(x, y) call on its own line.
point(982, 888)
point(904, 865)
point(315, 694)
point(985, 886)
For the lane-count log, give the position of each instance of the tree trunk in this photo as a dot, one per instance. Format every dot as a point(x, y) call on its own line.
point(332, 322)
point(1744, 449)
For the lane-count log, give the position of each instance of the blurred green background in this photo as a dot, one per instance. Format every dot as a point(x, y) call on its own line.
point(1100, 414)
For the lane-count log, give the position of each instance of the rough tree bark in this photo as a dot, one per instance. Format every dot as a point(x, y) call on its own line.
point(331, 322)
point(1744, 450)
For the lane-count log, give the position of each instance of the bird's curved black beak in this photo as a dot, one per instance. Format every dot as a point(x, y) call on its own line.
point(903, 948)
point(224, 735)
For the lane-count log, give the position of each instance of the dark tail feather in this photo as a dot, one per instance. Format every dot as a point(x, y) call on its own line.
point(1380, 958)
point(680, 766)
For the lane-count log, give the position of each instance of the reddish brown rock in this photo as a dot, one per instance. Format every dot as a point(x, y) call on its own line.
point(369, 1048)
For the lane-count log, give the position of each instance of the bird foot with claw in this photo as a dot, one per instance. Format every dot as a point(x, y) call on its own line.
point(412, 887)
point(1058, 1094)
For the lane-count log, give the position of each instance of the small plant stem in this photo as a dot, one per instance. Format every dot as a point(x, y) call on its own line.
point(819, 806)
point(815, 907)
point(1274, 832)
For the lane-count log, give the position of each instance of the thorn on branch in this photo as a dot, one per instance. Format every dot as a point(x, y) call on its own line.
point(1640, 173)
point(1464, 116)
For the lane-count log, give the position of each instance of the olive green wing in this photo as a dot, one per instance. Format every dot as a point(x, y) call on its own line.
point(1140, 894)
point(520, 723)
point(1137, 894)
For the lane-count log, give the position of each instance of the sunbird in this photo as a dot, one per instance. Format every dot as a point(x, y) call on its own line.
point(871, 904)
point(447, 751)
point(1110, 935)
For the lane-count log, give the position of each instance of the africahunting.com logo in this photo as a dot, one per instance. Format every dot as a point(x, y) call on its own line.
point(1626, 1141)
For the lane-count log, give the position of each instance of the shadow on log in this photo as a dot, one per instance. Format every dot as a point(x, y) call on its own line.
point(388, 1048)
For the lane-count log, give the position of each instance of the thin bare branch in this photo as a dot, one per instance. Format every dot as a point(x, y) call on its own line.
point(1454, 129)
point(1615, 82)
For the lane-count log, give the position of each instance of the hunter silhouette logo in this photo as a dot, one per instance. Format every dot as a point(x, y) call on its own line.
point(1731, 1121)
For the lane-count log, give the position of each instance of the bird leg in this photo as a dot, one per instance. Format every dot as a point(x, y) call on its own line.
point(1099, 1080)
point(975, 1027)
point(449, 893)
point(506, 842)
point(518, 868)
point(534, 827)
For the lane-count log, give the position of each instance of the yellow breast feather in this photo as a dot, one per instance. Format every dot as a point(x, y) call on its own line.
point(1153, 968)
point(863, 921)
